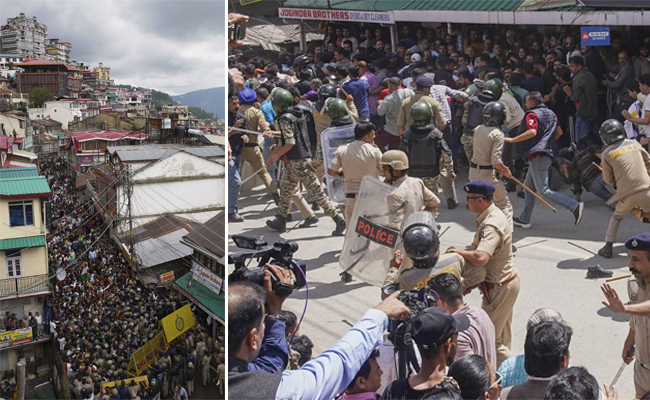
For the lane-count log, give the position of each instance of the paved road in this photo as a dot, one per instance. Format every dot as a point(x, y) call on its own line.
point(552, 273)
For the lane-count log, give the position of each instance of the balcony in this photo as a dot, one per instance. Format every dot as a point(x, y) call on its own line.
point(20, 287)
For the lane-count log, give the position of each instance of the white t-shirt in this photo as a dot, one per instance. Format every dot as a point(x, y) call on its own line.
point(646, 109)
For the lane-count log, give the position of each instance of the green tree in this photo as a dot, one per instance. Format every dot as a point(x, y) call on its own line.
point(38, 96)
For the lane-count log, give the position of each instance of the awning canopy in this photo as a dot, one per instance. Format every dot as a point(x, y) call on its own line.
point(206, 299)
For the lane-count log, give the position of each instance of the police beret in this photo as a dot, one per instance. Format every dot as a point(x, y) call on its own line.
point(639, 242)
point(247, 96)
point(424, 81)
point(479, 186)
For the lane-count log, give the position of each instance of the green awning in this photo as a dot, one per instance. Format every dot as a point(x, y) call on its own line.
point(203, 297)
point(25, 187)
point(20, 243)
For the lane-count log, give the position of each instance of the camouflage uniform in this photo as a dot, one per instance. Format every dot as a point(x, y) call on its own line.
point(296, 172)
point(468, 145)
point(446, 170)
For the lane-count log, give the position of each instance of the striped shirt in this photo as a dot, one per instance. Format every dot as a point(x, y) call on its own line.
point(441, 93)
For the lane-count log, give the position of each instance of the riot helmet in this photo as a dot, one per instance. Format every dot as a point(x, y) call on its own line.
point(494, 88)
point(336, 110)
point(421, 113)
point(300, 62)
point(420, 239)
point(494, 114)
point(396, 159)
point(325, 92)
point(612, 131)
point(281, 100)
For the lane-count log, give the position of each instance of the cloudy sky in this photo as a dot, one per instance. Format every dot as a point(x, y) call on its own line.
point(175, 46)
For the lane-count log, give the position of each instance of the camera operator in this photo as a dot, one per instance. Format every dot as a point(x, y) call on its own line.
point(321, 378)
point(434, 331)
point(424, 261)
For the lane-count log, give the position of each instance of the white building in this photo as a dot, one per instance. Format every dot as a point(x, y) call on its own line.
point(64, 111)
point(5, 59)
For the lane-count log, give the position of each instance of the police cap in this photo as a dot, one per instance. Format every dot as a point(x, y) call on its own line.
point(479, 186)
point(424, 81)
point(640, 242)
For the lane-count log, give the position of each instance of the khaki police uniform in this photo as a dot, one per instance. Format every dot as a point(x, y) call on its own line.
point(494, 237)
point(625, 166)
point(641, 327)
point(252, 152)
point(404, 118)
point(356, 160)
point(409, 196)
point(488, 146)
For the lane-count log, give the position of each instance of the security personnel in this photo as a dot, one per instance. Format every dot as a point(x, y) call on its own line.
point(296, 153)
point(486, 160)
point(473, 116)
point(625, 165)
point(492, 252)
point(638, 247)
point(422, 92)
point(356, 160)
point(427, 150)
point(251, 152)
point(410, 194)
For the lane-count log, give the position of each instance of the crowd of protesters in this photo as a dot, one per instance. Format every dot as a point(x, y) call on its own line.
point(100, 313)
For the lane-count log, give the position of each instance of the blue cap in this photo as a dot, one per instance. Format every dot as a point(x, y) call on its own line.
point(479, 186)
point(640, 242)
point(424, 81)
point(247, 96)
point(390, 55)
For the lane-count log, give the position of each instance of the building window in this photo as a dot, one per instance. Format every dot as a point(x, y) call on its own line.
point(21, 213)
point(14, 263)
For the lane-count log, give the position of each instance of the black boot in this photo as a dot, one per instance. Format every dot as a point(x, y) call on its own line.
point(340, 225)
point(607, 250)
point(276, 198)
point(314, 206)
point(309, 222)
point(279, 223)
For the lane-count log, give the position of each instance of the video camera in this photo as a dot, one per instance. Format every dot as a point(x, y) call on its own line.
point(280, 254)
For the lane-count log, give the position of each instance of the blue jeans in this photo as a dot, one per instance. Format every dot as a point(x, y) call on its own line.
point(586, 131)
point(234, 180)
point(537, 180)
point(597, 187)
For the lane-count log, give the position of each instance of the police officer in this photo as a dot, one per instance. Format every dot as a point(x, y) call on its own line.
point(473, 115)
point(410, 193)
point(492, 253)
point(422, 92)
point(638, 247)
point(295, 150)
point(356, 160)
point(427, 150)
point(486, 160)
point(625, 165)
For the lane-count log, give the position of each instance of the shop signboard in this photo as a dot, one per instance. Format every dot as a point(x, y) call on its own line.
point(14, 338)
point(594, 36)
point(167, 277)
point(206, 277)
point(376, 17)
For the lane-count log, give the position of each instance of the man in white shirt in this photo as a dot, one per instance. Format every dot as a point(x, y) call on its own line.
point(39, 324)
point(390, 107)
point(644, 120)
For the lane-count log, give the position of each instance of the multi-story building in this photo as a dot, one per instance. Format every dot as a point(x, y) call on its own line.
point(24, 276)
point(25, 36)
point(5, 59)
point(58, 51)
point(64, 111)
point(50, 75)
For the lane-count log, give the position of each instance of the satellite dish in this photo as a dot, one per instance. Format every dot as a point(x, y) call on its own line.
point(60, 274)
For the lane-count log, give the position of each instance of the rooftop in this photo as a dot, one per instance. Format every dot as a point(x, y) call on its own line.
point(26, 187)
point(209, 236)
point(10, 173)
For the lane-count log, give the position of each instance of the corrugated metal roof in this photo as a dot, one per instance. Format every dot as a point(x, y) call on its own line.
point(387, 5)
point(210, 235)
point(267, 36)
point(205, 151)
point(24, 186)
point(151, 152)
point(163, 249)
point(9, 173)
point(134, 155)
point(20, 243)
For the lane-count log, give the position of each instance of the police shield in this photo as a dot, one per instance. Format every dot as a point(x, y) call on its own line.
point(371, 237)
point(331, 138)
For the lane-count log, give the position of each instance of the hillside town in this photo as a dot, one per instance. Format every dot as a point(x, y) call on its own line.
point(112, 229)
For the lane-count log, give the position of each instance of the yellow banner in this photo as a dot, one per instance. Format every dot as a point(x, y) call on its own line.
point(178, 322)
point(13, 338)
point(167, 277)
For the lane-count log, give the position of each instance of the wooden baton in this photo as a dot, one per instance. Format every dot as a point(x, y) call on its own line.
point(618, 277)
point(533, 193)
point(597, 166)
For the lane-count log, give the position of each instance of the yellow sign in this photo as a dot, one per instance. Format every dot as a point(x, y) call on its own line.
point(13, 338)
point(176, 323)
point(139, 380)
point(167, 277)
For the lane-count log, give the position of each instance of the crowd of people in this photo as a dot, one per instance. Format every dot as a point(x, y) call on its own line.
point(100, 313)
point(511, 104)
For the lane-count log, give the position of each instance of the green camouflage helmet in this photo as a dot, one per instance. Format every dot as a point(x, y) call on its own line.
point(494, 87)
point(336, 110)
point(421, 113)
point(281, 100)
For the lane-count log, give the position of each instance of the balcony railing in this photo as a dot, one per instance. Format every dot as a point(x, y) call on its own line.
point(24, 286)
